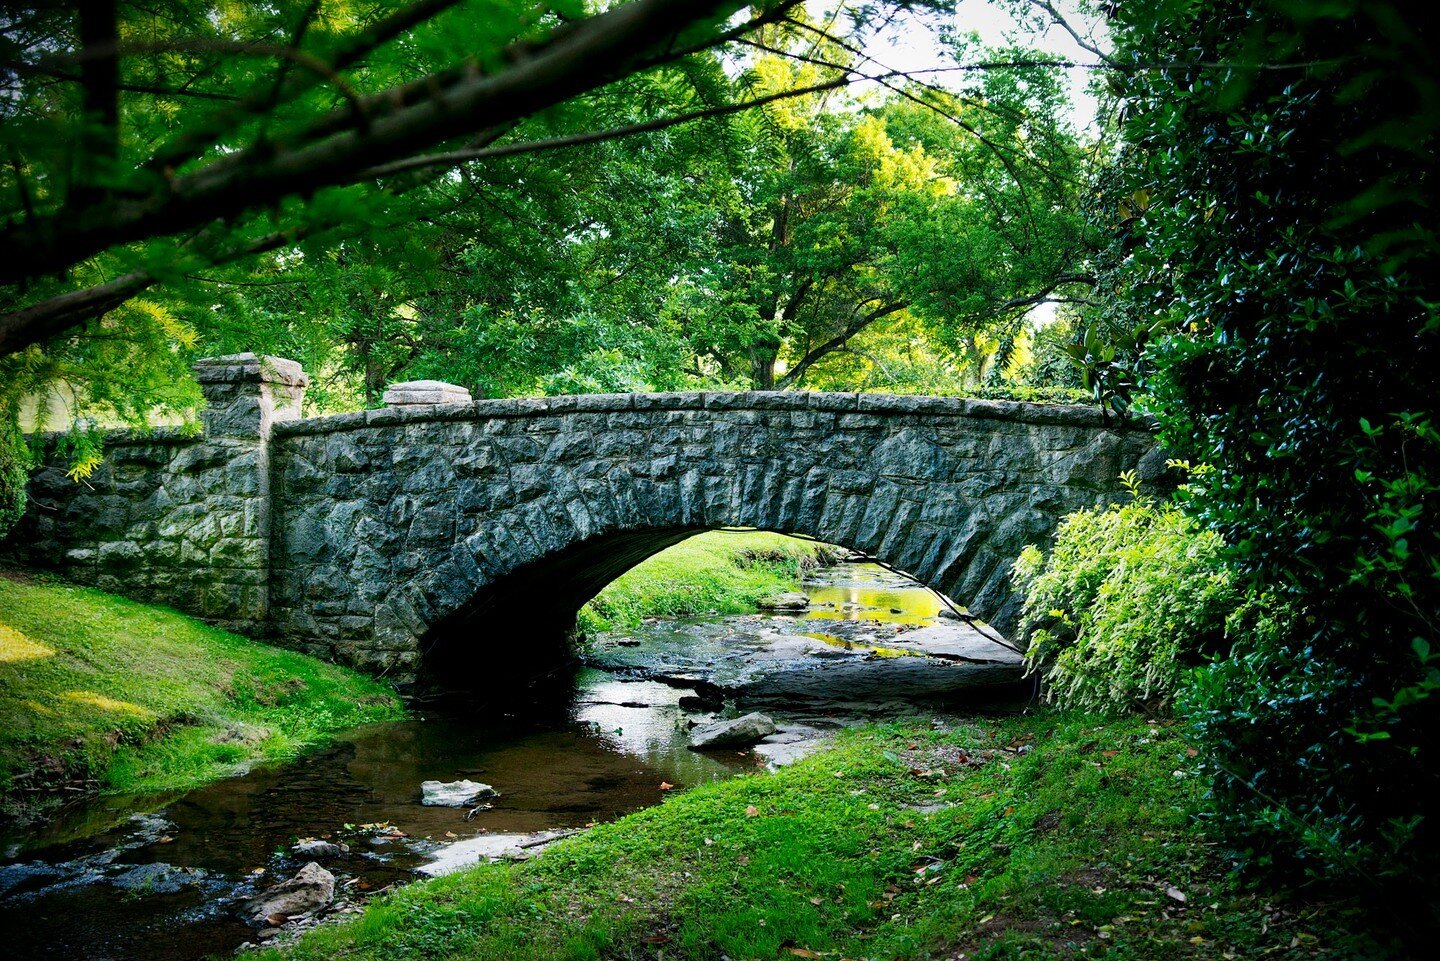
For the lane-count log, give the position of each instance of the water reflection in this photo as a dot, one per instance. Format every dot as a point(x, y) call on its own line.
point(605, 756)
point(869, 592)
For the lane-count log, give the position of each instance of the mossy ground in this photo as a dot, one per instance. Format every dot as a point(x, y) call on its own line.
point(98, 693)
point(724, 572)
point(1047, 836)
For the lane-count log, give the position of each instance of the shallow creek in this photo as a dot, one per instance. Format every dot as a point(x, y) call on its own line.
point(163, 878)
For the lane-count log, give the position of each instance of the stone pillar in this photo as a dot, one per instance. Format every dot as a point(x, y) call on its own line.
point(245, 395)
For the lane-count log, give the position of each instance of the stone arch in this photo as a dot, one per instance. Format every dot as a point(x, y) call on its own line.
point(354, 536)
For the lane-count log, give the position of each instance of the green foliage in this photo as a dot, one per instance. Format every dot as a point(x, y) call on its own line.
point(718, 572)
point(136, 698)
point(14, 464)
point(1051, 362)
point(1274, 219)
point(1126, 602)
point(1040, 836)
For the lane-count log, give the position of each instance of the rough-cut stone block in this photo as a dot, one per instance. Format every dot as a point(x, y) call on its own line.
point(425, 392)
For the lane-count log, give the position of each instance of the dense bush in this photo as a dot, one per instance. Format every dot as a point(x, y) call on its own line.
point(1276, 232)
point(1126, 602)
point(13, 460)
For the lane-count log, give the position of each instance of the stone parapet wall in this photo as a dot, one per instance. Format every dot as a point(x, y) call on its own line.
point(170, 516)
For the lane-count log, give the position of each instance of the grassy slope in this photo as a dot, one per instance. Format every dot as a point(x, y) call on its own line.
point(1068, 837)
point(717, 571)
point(139, 698)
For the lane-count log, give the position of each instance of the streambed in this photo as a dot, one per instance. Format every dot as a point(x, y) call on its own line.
point(164, 878)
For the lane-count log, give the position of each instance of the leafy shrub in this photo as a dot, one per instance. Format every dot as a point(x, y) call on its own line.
point(13, 460)
point(1125, 604)
point(1047, 394)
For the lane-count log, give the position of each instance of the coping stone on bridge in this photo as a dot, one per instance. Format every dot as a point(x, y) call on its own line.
point(427, 393)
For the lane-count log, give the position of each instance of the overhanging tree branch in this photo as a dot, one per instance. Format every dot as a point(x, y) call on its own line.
point(588, 55)
point(30, 325)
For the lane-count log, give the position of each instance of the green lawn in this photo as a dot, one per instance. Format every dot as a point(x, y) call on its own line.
point(1048, 836)
point(721, 571)
point(101, 693)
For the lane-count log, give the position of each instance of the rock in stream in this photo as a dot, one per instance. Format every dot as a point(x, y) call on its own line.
point(739, 732)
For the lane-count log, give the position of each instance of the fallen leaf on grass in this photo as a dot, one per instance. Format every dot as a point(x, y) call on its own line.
point(751, 810)
point(627, 899)
point(666, 786)
point(657, 939)
point(1175, 894)
point(805, 953)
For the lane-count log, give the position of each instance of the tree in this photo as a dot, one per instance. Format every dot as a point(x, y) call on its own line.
point(1273, 212)
point(100, 166)
point(782, 233)
point(947, 213)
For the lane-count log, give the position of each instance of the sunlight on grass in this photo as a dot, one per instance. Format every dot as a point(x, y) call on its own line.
point(130, 695)
point(15, 646)
point(94, 699)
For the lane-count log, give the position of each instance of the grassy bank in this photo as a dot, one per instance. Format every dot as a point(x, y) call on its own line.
point(1048, 836)
point(718, 571)
point(100, 693)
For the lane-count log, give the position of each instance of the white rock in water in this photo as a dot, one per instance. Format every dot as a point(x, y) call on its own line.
point(454, 793)
point(740, 732)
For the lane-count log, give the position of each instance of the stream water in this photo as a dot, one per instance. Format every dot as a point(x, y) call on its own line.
point(164, 878)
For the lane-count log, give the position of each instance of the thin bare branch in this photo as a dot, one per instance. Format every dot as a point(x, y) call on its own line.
point(456, 157)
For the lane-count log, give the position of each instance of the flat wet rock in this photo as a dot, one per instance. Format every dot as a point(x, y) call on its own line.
point(158, 878)
point(454, 793)
point(736, 732)
point(489, 847)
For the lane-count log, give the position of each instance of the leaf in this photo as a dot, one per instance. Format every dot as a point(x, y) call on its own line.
point(805, 953)
point(1175, 894)
point(666, 786)
point(751, 810)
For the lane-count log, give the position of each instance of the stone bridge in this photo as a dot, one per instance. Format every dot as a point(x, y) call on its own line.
point(433, 535)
